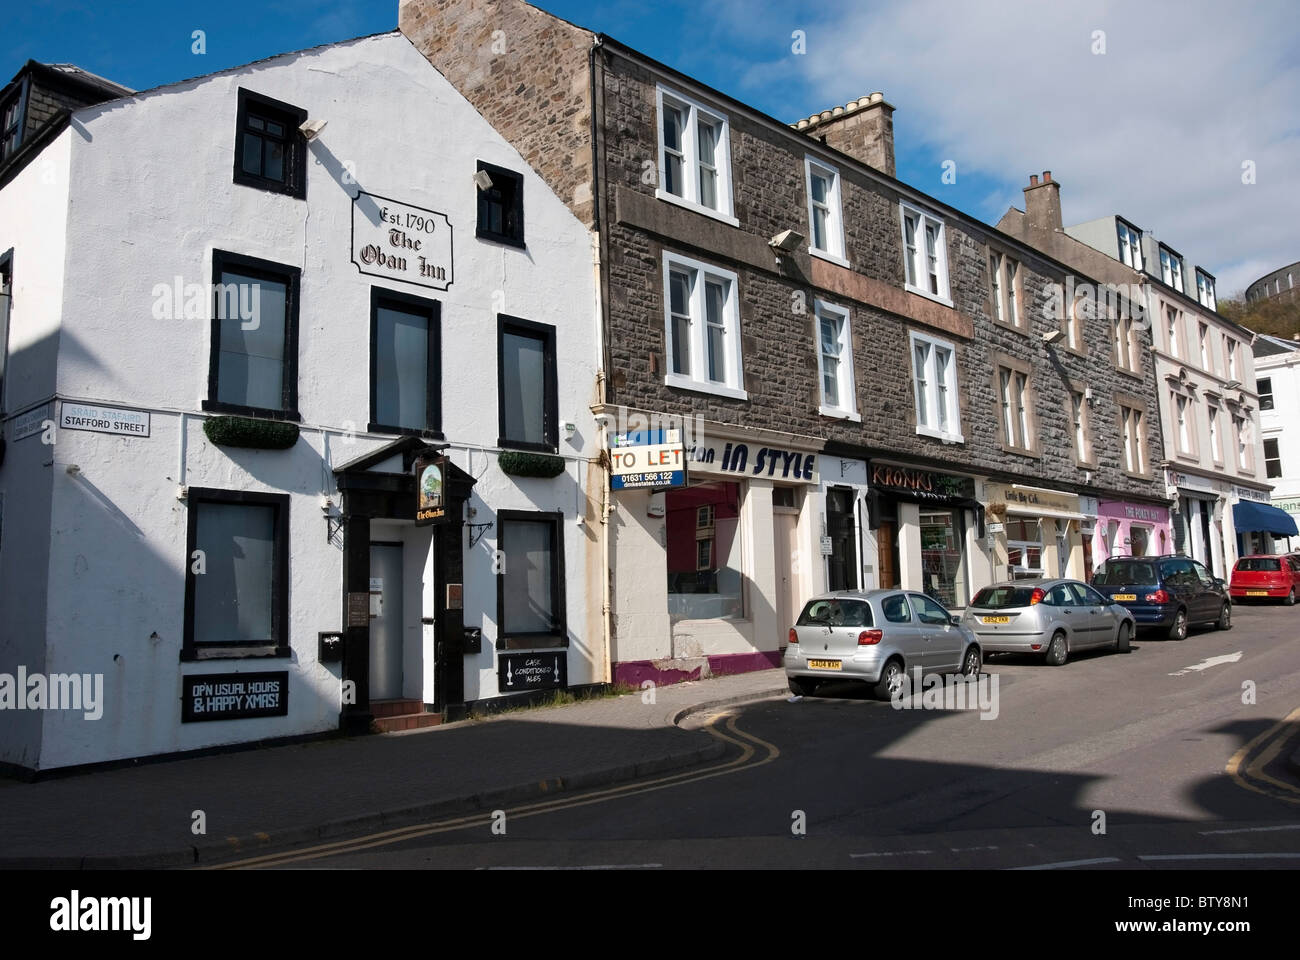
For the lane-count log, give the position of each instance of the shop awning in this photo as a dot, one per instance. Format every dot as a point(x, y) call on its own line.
point(1031, 510)
point(1247, 515)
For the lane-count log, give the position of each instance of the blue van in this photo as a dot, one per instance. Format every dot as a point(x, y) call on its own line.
point(1168, 593)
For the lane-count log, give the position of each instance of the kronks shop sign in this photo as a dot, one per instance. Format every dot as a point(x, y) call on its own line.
point(401, 242)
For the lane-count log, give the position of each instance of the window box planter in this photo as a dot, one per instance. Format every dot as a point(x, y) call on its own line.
point(251, 434)
point(517, 463)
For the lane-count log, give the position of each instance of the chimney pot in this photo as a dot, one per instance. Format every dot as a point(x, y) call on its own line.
point(1033, 179)
point(1047, 176)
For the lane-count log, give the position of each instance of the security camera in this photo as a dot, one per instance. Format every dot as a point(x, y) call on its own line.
point(311, 128)
point(483, 180)
point(1051, 336)
point(786, 241)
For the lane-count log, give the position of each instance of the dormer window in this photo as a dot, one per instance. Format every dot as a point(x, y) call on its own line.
point(1171, 268)
point(1205, 289)
point(1130, 245)
point(270, 152)
point(12, 114)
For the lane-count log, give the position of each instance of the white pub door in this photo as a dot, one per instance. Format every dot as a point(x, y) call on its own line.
point(386, 609)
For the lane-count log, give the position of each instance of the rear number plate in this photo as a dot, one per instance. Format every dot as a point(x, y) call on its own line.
point(824, 664)
point(996, 619)
point(1257, 593)
point(1125, 596)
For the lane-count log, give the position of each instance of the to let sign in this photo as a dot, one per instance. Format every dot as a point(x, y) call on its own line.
point(401, 242)
point(532, 671)
point(234, 696)
point(647, 459)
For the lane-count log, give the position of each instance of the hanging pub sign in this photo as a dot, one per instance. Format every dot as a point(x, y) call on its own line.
point(234, 696)
point(401, 242)
point(430, 490)
point(647, 460)
point(532, 671)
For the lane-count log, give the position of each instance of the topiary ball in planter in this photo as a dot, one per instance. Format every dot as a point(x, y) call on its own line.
point(520, 464)
point(251, 434)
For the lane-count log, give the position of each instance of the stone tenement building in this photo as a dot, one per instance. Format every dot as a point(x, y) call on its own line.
point(867, 377)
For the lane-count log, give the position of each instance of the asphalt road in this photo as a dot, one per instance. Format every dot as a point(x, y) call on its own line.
point(1151, 760)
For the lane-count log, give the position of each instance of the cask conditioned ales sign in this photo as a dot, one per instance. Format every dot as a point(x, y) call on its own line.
point(401, 242)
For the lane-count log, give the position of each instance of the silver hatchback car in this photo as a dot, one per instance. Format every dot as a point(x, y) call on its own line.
point(878, 637)
point(1047, 617)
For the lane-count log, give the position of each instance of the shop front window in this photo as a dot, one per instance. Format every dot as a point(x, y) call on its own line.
point(1024, 549)
point(704, 558)
point(943, 559)
point(1139, 540)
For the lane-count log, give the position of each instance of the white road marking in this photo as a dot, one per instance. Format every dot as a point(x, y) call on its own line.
point(1287, 826)
point(1065, 864)
point(890, 853)
point(1207, 663)
point(1221, 856)
point(601, 866)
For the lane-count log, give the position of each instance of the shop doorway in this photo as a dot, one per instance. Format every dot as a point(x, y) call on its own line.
point(386, 620)
point(842, 564)
point(887, 554)
point(785, 522)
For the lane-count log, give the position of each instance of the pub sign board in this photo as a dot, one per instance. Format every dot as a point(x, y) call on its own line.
point(234, 696)
point(398, 241)
point(532, 671)
point(430, 490)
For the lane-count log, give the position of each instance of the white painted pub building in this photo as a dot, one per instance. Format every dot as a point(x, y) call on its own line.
point(244, 313)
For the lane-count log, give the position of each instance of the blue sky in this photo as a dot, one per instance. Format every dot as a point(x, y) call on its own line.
point(1146, 108)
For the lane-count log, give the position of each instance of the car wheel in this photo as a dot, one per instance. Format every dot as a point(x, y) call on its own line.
point(1122, 644)
point(802, 686)
point(1179, 629)
point(1290, 598)
point(970, 664)
point(1057, 651)
point(1225, 617)
point(891, 681)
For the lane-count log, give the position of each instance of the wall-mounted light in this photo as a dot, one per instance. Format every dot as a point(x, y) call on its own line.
point(1232, 385)
point(1051, 336)
point(483, 180)
point(311, 128)
point(787, 241)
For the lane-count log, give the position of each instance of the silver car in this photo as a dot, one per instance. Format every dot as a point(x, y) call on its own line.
point(879, 637)
point(1047, 617)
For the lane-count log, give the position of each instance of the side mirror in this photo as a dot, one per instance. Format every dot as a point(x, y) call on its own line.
point(954, 620)
point(1219, 582)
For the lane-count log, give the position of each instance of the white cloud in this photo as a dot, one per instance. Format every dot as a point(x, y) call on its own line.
point(1156, 128)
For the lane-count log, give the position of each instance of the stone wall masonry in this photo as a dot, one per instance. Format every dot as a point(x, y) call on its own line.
point(779, 344)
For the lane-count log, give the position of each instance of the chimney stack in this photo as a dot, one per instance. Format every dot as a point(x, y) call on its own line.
point(1043, 205)
point(862, 128)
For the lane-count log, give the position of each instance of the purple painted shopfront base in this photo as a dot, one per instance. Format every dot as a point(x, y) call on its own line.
point(633, 673)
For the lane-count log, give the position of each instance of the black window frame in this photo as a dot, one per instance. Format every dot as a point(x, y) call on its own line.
point(20, 96)
point(513, 236)
point(277, 272)
point(1270, 461)
point(295, 162)
point(239, 649)
point(558, 636)
point(409, 302)
point(6, 313)
point(550, 386)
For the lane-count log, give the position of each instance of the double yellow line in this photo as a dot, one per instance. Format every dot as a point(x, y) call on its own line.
point(748, 759)
point(1247, 766)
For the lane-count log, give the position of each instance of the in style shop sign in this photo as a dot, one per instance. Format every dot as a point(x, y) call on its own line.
point(647, 459)
point(401, 242)
point(735, 458)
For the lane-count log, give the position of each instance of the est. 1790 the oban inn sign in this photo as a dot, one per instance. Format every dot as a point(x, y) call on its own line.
point(401, 242)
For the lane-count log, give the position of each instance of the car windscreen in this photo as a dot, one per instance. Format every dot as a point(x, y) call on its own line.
point(1002, 598)
point(1259, 564)
point(1116, 573)
point(836, 613)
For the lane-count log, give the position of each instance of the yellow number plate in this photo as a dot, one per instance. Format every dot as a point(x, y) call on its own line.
point(824, 664)
point(1124, 596)
point(996, 619)
point(1257, 593)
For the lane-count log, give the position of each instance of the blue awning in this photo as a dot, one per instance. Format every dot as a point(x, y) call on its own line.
point(1263, 518)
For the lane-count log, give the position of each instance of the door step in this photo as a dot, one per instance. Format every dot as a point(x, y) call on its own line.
point(394, 715)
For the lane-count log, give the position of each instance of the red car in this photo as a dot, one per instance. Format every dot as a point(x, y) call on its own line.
point(1263, 576)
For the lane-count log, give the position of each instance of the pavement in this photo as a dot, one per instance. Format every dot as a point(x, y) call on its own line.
point(146, 816)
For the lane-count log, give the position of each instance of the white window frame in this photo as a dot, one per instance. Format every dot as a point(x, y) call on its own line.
point(1173, 321)
point(1130, 244)
point(1132, 429)
point(1079, 425)
point(1245, 456)
point(1230, 351)
point(1171, 269)
point(847, 408)
point(1015, 399)
point(929, 380)
point(919, 259)
point(1004, 274)
point(697, 380)
point(1203, 332)
point(1205, 289)
point(1216, 443)
point(834, 250)
point(693, 112)
point(1184, 424)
